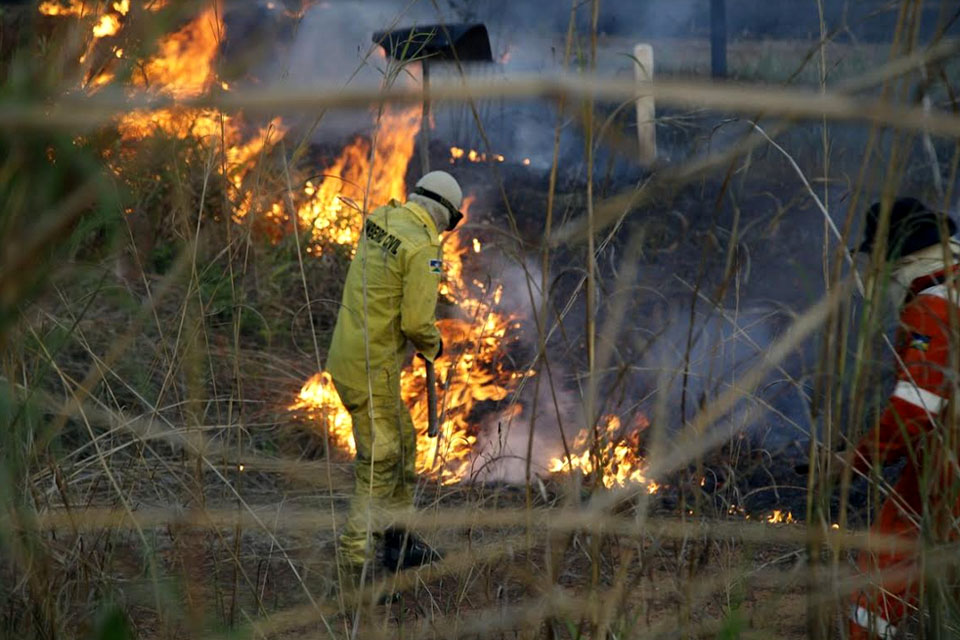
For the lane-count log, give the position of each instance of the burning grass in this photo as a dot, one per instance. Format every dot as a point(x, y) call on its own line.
point(163, 460)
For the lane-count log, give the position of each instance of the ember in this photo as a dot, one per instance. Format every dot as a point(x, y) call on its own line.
point(456, 153)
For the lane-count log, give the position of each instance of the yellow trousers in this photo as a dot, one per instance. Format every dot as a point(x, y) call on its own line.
point(385, 472)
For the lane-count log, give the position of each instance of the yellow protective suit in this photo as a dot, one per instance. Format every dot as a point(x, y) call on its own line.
point(389, 297)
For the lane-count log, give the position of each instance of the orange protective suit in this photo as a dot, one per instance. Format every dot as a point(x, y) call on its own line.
point(912, 426)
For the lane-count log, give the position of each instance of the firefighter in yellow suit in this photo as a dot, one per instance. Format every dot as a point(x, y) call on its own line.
point(389, 298)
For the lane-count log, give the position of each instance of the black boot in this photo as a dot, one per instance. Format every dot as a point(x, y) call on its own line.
point(405, 550)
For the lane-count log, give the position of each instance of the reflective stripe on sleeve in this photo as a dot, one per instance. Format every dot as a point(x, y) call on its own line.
point(909, 392)
point(939, 291)
point(865, 620)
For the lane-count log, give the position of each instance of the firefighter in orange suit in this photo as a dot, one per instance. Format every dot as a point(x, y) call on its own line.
point(924, 272)
point(389, 299)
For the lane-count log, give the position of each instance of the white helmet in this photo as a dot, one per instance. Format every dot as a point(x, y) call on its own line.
point(442, 187)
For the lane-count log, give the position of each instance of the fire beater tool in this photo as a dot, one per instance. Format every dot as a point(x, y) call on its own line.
point(464, 42)
point(433, 425)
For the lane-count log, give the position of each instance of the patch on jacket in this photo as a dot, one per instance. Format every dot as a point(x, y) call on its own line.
point(436, 266)
point(919, 341)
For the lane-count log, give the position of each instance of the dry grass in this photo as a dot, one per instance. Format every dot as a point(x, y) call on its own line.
point(153, 484)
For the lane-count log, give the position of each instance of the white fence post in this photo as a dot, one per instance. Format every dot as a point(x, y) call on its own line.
point(646, 108)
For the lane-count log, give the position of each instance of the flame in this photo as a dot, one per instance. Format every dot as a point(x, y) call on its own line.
point(320, 398)
point(330, 209)
point(615, 455)
point(472, 370)
point(780, 517)
point(86, 8)
point(180, 124)
point(471, 364)
point(101, 79)
point(108, 25)
point(323, 213)
point(104, 23)
point(184, 64)
point(457, 153)
point(77, 8)
point(475, 373)
point(184, 67)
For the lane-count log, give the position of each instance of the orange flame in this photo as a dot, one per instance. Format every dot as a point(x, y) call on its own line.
point(320, 398)
point(184, 67)
point(780, 517)
point(330, 209)
point(86, 8)
point(457, 153)
point(184, 64)
point(106, 21)
point(323, 213)
point(108, 25)
point(616, 456)
point(474, 376)
point(77, 8)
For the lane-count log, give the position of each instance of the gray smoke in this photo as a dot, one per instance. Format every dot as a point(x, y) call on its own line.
point(331, 47)
point(501, 452)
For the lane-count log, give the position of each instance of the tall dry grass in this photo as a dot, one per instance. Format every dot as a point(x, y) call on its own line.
point(154, 485)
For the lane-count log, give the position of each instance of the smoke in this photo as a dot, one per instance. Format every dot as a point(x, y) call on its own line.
point(333, 47)
point(504, 436)
point(685, 368)
point(692, 362)
point(502, 450)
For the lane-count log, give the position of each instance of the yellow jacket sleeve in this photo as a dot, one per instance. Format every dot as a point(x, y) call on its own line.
point(418, 310)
